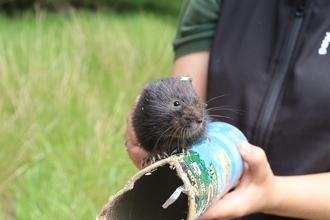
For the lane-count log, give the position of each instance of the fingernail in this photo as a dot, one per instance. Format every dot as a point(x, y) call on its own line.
point(244, 147)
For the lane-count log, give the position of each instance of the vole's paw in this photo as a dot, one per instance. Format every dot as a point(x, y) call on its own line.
point(147, 161)
point(154, 158)
point(181, 151)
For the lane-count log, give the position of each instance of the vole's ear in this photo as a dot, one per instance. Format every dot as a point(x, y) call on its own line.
point(146, 91)
point(147, 86)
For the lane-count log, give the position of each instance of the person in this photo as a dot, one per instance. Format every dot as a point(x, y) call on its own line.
point(269, 59)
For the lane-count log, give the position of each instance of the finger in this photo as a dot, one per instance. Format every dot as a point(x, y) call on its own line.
point(258, 169)
point(129, 118)
point(135, 152)
point(130, 133)
point(225, 208)
point(254, 156)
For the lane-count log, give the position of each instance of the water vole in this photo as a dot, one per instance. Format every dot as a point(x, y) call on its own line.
point(169, 118)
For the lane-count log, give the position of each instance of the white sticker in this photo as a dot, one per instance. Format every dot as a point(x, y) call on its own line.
point(185, 78)
point(184, 188)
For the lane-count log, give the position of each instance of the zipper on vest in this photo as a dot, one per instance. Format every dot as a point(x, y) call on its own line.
point(278, 81)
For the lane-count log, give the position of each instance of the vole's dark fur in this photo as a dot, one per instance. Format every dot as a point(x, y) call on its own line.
point(169, 118)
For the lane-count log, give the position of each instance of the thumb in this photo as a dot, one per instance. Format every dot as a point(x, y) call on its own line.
point(254, 156)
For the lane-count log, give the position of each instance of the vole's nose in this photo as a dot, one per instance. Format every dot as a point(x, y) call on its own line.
point(199, 121)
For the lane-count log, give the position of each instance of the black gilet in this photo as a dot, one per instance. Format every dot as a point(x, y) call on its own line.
point(270, 59)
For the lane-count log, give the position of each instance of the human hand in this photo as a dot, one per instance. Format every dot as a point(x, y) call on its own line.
point(254, 192)
point(135, 152)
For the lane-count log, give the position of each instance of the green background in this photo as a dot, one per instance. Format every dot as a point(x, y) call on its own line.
point(66, 85)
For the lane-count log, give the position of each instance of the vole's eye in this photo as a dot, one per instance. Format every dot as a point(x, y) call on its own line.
point(176, 103)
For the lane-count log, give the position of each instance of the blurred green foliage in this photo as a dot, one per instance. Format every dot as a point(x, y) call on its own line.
point(66, 85)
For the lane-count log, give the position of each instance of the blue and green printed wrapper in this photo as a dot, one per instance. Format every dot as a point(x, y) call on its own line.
point(182, 186)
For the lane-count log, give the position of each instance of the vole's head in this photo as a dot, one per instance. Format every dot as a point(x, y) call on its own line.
point(170, 108)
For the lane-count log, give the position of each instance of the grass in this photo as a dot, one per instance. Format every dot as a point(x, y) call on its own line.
point(66, 84)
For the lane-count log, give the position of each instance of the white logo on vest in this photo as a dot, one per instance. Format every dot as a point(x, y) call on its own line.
point(325, 43)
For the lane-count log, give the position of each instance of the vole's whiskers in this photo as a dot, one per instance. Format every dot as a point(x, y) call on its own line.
point(225, 108)
point(216, 97)
point(220, 116)
point(172, 138)
point(150, 138)
point(186, 144)
point(181, 139)
point(160, 136)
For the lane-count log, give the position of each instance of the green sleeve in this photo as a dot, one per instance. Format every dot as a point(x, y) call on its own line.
point(197, 24)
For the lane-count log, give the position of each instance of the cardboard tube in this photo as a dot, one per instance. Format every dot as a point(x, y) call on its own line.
point(182, 186)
